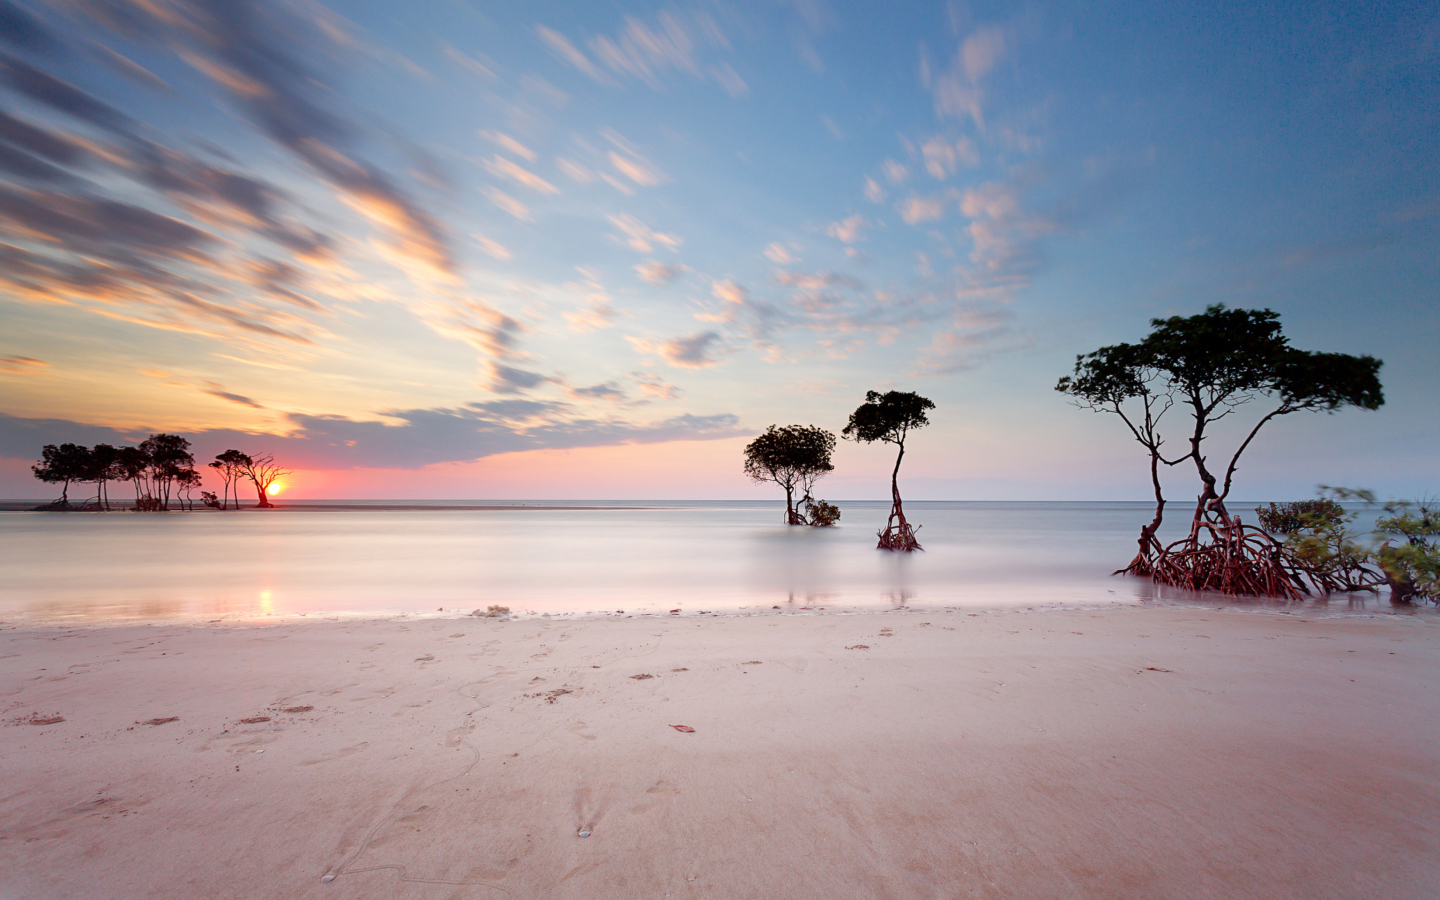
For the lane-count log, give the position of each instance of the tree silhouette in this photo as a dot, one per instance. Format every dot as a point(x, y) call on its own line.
point(103, 468)
point(62, 465)
point(791, 456)
point(263, 471)
point(231, 467)
point(1213, 365)
point(169, 463)
point(889, 417)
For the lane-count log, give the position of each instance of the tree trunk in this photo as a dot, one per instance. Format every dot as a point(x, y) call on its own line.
point(789, 506)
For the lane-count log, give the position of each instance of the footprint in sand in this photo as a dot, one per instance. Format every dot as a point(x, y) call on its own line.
point(580, 729)
point(338, 754)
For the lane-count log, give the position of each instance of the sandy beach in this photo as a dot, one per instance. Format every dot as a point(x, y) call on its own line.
point(1124, 752)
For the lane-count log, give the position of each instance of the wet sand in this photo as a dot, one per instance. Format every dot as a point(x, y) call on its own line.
point(1125, 752)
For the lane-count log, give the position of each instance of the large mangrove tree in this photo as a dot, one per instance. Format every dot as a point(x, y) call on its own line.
point(1208, 367)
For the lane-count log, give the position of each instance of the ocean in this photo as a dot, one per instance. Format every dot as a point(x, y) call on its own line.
point(362, 558)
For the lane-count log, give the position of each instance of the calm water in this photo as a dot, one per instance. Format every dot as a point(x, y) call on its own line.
point(712, 556)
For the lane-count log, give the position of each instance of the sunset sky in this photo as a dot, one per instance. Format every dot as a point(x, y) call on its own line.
point(563, 250)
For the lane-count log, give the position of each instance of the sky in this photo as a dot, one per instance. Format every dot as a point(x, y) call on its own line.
point(562, 250)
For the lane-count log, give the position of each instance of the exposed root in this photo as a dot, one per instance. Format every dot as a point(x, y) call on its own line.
point(899, 537)
point(1238, 560)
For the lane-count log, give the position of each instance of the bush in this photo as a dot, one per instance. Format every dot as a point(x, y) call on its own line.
point(822, 514)
point(1301, 516)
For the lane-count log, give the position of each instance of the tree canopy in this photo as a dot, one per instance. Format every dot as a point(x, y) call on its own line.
point(887, 417)
point(791, 456)
point(890, 417)
point(1212, 365)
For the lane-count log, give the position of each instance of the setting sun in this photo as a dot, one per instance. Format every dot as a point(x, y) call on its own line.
point(276, 488)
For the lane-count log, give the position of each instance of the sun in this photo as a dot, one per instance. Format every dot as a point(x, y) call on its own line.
point(276, 488)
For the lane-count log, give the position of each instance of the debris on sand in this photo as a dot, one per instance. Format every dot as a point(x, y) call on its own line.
point(685, 728)
point(159, 721)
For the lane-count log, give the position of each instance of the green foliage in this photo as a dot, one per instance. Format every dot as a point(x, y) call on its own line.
point(821, 514)
point(1300, 515)
point(887, 417)
point(1411, 567)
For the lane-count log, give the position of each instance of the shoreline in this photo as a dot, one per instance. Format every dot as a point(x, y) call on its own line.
point(1124, 751)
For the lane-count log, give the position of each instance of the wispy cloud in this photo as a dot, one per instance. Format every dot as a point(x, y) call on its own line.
point(647, 52)
point(655, 272)
point(501, 167)
point(848, 230)
point(636, 235)
point(21, 365)
point(692, 351)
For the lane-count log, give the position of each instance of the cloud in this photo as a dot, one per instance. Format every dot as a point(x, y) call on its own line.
point(423, 437)
point(780, 255)
point(21, 365)
point(636, 235)
point(655, 387)
point(63, 96)
point(981, 50)
point(576, 171)
point(941, 155)
point(509, 204)
point(595, 315)
point(873, 191)
point(655, 272)
point(21, 29)
point(507, 143)
point(609, 391)
point(957, 90)
point(636, 169)
point(691, 351)
point(501, 167)
point(216, 390)
point(492, 248)
point(561, 47)
point(895, 173)
point(644, 52)
point(260, 55)
point(914, 210)
point(847, 230)
point(510, 380)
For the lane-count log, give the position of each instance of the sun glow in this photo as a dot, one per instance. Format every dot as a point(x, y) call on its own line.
point(276, 488)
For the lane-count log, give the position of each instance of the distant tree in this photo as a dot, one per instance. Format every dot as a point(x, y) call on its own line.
point(263, 471)
point(1212, 365)
point(104, 468)
point(61, 465)
point(170, 466)
point(132, 464)
point(231, 467)
point(791, 456)
point(186, 482)
point(890, 417)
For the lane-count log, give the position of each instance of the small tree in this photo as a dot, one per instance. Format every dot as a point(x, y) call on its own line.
point(103, 468)
point(231, 467)
point(1213, 365)
point(791, 456)
point(170, 466)
point(62, 465)
point(889, 417)
point(133, 465)
point(263, 471)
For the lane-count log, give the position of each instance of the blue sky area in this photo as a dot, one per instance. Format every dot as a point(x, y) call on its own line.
point(557, 249)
